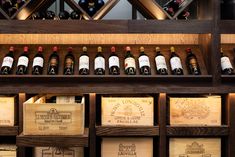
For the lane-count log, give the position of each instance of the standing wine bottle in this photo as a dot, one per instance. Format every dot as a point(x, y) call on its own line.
point(38, 62)
point(53, 66)
point(69, 62)
point(130, 65)
point(160, 61)
point(7, 63)
point(192, 63)
point(99, 62)
point(144, 63)
point(84, 64)
point(114, 64)
point(176, 66)
point(226, 66)
point(91, 8)
point(23, 62)
point(83, 4)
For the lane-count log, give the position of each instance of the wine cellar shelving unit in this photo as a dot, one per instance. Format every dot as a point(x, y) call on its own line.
point(208, 27)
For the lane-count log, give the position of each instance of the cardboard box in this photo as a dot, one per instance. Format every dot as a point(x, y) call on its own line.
point(58, 152)
point(195, 147)
point(7, 111)
point(8, 151)
point(195, 111)
point(127, 147)
point(127, 111)
point(42, 118)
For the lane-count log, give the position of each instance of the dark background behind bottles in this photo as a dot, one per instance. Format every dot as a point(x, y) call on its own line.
point(228, 9)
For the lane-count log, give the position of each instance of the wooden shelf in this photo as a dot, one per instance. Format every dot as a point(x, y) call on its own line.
point(105, 26)
point(228, 79)
point(197, 131)
point(49, 141)
point(126, 131)
point(227, 26)
point(9, 130)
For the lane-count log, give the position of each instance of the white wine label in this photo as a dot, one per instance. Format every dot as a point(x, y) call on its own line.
point(144, 61)
point(175, 63)
point(23, 61)
point(99, 63)
point(130, 63)
point(160, 62)
point(225, 63)
point(8, 62)
point(84, 62)
point(65, 99)
point(38, 61)
point(114, 61)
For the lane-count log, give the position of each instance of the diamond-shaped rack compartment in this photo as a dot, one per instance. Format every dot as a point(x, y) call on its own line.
point(3, 15)
point(152, 10)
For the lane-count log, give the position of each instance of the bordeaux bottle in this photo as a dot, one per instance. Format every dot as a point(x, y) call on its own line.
point(23, 62)
point(144, 63)
point(69, 62)
point(53, 65)
point(8, 62)
point(226, 66)
point(192, 63)
point(84, 65)
point(99, 63)
point(130, 65)
point(38, 62)
point(160, 61)
point(114, 64)
point(176, 66)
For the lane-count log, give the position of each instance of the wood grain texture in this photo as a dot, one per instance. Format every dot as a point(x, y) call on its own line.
point(231, 123)
point(228, 38)
point(110, 131)
point(53, 141)
point(197, 131)
point(9, 131)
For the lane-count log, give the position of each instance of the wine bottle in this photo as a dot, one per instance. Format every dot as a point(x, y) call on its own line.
point(69, 62)
point(53, 66)
point(75, 15)
point(38, 16)
point(23, 61)
point(130, 65)
point(99, 62)
point(84, 65)
point(83, 4)
point(176, 66)
point(91, 9)
point(64, 15)
point(38, 62)
point(114, 64)
point(226, 66)
point(144, 63)
point(192, 63)
point(183, 15)
point(50, 15)
point(6, 5)
point(160, 61)
point(174, 4)
point(99, 4)
point(7, 63)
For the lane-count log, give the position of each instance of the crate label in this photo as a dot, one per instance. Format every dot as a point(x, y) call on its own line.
point(58, 152)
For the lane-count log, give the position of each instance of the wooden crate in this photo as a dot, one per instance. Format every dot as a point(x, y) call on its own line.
point(8, 151)
point(195, 147)
point(132, 111)
point(195, 111)
point(58, 152)
point(7, 110)
point(42, 118)
point(127, 147)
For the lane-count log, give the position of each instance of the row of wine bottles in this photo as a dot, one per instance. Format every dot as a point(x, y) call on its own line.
point(63, 15)
point(99, 62)
point(11, 6)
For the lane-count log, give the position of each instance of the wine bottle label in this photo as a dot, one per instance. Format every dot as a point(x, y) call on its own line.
point(53, 62)
point(144, 61)
point(83, 62)
point(23, 61)
point(175, 63)
point(8, 62)
point(69, 63)
point(130, 63)
point(99, 63)
point(114, 61)
point(38, 61)
point(225, 63)
point(160, 62)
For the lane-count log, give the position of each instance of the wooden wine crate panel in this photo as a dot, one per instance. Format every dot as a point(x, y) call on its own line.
point(195, 147)
point(195, 110)
point(8, 110)
point(116, 147)
point(228, 39)
point(42, 118)
point(127, 111)
point(8, 151)
point(58, 152)
point(9, 130)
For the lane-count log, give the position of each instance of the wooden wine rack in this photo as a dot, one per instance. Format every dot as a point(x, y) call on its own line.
point(208, 29)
